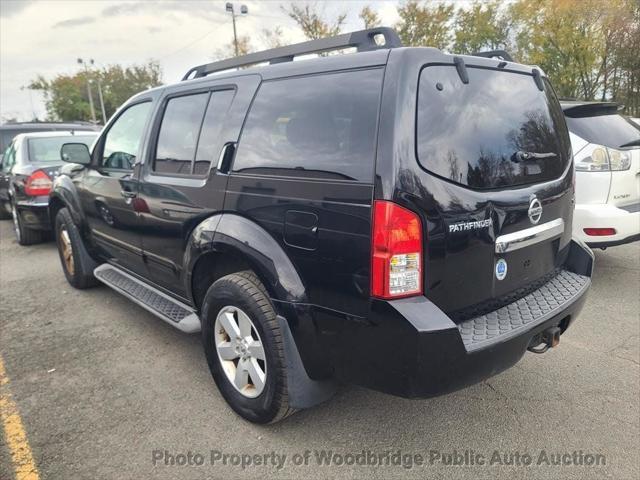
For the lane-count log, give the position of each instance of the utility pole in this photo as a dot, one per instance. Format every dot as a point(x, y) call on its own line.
point(86, 70)
point(243, 11)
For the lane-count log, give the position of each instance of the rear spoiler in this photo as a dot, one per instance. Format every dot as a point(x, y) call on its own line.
point(501, 54)
point(590, 109)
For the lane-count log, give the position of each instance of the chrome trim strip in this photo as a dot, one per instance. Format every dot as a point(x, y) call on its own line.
point(529, 236)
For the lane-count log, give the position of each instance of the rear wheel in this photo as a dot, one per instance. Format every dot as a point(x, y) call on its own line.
point(24, 235)
point(243, 346)
point(77, 265)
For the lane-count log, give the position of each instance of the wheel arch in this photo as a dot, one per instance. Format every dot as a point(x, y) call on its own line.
point(228, 243)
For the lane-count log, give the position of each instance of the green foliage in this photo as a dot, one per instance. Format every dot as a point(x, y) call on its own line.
point(424, 24)
point(482, 26)
point(67, 99)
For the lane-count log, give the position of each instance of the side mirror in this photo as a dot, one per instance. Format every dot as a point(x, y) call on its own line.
point(75, 153)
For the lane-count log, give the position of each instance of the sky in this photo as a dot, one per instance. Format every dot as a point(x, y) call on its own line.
point(46, 37)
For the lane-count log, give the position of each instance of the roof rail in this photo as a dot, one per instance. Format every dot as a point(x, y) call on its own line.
point(502, 54)
point(362, 40)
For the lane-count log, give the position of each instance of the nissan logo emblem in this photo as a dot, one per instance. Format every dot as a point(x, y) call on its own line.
point(535, 210)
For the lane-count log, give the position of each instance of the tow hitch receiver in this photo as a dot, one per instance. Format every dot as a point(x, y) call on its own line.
point(544, 341)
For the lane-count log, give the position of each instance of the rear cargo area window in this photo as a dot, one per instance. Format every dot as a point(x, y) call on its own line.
point(320, 126)
point(612, 131)
point(499, 130)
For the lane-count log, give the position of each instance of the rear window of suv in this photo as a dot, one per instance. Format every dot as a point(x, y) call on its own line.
point(612, 131)
point(499, 130)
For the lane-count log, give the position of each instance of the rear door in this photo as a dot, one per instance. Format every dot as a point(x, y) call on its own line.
point(181, 184)
point(495, 178)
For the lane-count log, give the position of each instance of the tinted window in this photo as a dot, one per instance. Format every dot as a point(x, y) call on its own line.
point(497, 130)
point(608, 130)
point(210, 144)
point(9, 158)
point(178, 137)
point(47, 150)
point(321, 126)
point(122, 142)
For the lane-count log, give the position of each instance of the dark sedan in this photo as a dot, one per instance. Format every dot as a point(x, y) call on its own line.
point(29, 166)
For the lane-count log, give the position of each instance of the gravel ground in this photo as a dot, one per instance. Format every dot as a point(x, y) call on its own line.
point(128, 389)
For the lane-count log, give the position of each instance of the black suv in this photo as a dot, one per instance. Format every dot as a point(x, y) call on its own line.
point(398, 218)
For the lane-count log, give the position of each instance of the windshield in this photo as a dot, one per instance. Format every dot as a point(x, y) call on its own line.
point(47, 150)
point(498, 130)
point(612, 131)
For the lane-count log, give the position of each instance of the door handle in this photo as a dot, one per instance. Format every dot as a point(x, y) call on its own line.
point(128, 194)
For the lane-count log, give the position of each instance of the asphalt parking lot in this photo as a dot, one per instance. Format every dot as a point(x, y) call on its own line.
point(104, 390)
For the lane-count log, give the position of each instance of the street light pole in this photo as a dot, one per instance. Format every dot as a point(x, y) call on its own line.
point(243, 11)
point(86, 70)
point(104, 114)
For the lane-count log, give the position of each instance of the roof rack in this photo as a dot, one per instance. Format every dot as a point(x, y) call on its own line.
point(362, 40)
point(502, 54)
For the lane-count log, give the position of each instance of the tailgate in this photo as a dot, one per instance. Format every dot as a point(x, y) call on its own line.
point(496, 163)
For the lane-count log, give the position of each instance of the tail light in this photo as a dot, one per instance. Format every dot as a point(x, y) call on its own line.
point(396, 253)
point(38, 184)
point(599, 232)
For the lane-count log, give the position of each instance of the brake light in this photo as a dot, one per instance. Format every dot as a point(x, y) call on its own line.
point(396, 253)
point(599, 232)
point(38, 184)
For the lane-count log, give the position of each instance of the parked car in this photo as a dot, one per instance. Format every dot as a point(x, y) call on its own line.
point(397, 218)
point(606, 149)
point(28, 168)
point(9, 130)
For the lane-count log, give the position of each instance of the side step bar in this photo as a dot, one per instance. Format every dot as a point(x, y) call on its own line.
point(160, 304)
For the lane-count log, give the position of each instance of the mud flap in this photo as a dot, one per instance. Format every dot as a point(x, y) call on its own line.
point(303, 391)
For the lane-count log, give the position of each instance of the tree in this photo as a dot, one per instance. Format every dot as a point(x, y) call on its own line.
point(66, 96)
point(312, 23)
point(229, 50)
point(369, 17)
point(482, 26)
point(273, 38)
point(426, 25)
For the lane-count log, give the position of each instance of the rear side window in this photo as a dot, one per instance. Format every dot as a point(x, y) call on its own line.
point(319, 126)
point(498, 130)
point(189, 136)
point(612, 131)
point(178, 137)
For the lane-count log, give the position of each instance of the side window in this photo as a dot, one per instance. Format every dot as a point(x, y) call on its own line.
point(210, 144)
point(321, 126)
point(122, 141)
point(189, 136)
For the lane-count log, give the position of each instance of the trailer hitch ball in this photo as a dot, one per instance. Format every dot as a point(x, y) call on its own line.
point(548, 339)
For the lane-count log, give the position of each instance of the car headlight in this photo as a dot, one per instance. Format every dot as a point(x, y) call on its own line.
point(596, 158)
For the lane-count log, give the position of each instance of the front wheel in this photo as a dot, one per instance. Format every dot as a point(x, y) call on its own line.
point(77, 265)
point(244, 350)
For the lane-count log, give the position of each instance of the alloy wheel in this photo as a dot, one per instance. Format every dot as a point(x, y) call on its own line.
point(67, 251)
point(240, 351)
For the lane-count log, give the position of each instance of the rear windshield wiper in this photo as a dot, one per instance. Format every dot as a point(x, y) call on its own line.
point(521, 156)
point(634, 143)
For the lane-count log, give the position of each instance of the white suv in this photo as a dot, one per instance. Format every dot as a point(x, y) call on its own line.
point(606, 149)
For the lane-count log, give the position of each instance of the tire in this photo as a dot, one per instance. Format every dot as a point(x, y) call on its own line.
point(25, 236)
point(244, 292)
point(77, 265)
point(5, 211)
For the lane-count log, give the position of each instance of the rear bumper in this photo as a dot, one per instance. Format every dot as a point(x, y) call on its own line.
point(626, 222)
point(412, 349)
point(34, 213)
